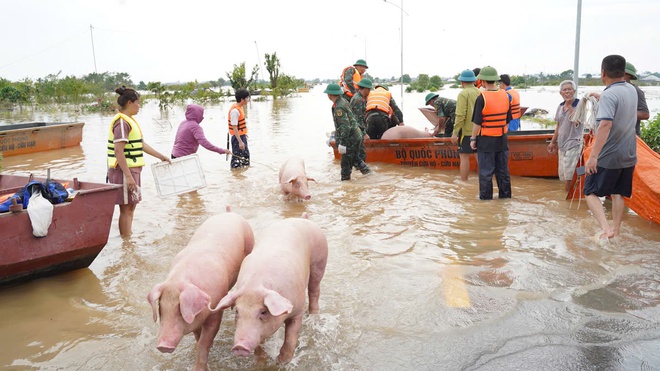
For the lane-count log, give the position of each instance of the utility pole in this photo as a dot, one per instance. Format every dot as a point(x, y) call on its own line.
point(576, 64)
point(261, 72)
point(401, 76)
point(91, 32)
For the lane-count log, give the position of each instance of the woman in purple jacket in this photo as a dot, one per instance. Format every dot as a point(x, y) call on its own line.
point(190, 134)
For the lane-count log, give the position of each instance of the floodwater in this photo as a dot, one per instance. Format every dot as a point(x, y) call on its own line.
point(421, 275)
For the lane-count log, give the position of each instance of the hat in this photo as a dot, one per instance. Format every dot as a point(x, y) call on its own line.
point(488, 73)
point(361, 62)
point(430, 96)
point(381, 86)
point(365, 83)
point(333, 89)
point(631, 70)
point(467, 76)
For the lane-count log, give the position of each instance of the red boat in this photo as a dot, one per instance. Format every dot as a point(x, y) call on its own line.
point(77, 234)
point(528, 153)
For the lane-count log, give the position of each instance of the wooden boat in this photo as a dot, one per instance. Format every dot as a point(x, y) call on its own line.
point(33, 137)
point(77, 234)
point(528, 153)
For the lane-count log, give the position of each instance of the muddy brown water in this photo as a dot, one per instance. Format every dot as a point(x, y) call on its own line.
point(421, 274)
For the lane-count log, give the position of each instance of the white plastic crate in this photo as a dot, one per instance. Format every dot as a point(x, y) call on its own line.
point(185, 174)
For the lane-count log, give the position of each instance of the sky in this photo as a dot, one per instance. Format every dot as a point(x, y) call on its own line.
point(179, 41)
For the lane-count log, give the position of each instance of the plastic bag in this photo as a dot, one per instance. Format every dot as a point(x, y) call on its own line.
point(40, 211)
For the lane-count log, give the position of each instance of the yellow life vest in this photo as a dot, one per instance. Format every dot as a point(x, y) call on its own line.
point(379, 99)
point(496, 107)
point(132, 149)
point(242, 127)
point(356, 78)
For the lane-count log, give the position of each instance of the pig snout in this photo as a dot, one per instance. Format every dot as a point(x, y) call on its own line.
point(165, 348)
point(307, 197)
point(241, 350)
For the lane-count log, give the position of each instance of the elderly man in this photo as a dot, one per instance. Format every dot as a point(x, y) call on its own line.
point(568, 134)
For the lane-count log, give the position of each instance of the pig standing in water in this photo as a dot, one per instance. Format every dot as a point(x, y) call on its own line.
point(288, 257)
point(405, 132)
point(293, 179)
point(201, 274)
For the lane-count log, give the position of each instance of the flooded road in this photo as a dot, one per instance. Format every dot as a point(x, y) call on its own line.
point(421, 275)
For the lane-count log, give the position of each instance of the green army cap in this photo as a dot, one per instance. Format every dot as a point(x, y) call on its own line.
point(361, 62)
point(631, 70)
point(365, 83)
point(333, 89)
point(488, 73)
point(430, 96)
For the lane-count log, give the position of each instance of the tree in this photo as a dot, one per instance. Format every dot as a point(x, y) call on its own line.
point(237, 76)
point(272, 64)
point(142, 86)
point(406, 79)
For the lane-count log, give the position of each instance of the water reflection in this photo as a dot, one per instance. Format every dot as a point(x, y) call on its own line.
point(421, 274)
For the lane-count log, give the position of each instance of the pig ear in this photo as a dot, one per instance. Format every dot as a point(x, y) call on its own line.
point(153, 297)
point(276, 303)
point(192, 300)
point(226, 302)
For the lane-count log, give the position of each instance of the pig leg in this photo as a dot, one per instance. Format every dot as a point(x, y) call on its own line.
point(210, 328)
point(291, 332)
point(314, 285)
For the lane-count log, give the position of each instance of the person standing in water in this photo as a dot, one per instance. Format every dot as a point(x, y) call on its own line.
point(125, 151)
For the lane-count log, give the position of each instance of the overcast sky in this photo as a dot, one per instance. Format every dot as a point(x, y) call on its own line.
point(168, 41)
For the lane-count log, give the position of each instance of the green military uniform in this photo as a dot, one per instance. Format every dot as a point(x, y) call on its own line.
point(348, 80)
point(359, 106)
point(446, 107)
point(348, 134)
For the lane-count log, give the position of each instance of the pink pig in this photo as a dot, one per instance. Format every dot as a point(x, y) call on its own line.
point(201, 274)
point(293, 179)
point(405, 132)
point(288, 257)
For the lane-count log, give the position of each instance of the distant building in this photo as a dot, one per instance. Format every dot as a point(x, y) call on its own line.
point(650, 78)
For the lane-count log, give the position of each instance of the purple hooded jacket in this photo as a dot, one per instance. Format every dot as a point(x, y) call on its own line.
point(190, 134)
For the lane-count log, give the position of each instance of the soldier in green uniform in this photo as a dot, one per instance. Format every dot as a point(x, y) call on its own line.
point(359, 103)
point(348, 135)
point(446, 109)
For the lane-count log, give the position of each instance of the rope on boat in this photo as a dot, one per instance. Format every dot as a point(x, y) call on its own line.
point(584, 113)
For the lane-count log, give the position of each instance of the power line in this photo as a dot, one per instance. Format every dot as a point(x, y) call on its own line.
point(42, 51)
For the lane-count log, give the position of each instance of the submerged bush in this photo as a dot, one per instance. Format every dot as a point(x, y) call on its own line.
point(650, 131)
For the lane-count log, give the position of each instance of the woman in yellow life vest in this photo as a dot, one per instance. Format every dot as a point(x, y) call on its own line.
point(125, 156)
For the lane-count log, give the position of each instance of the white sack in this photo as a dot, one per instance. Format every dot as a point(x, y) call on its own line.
point(40, 212)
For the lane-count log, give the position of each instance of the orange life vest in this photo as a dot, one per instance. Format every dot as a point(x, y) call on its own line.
point(496, 107)
point(242, 128)
point(379, 99)
point(356, 78)
point(515, 103)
